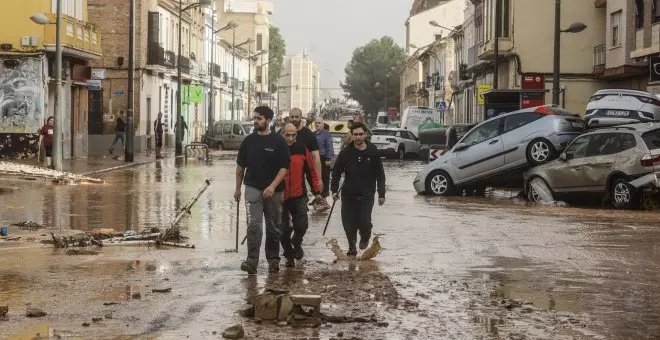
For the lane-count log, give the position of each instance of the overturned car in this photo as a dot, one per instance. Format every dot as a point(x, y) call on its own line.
point(621, 164)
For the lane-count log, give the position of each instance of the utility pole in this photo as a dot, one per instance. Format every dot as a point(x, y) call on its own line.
point(233, 69)
point(556, 58)
point(211, 113)
point(178, 138)
point(58, 158)
point(249, 77)
point(498, 33)
point(130, 131)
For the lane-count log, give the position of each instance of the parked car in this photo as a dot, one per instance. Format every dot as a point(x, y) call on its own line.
point(618, 106)
point(395, 142)
point(617, 161)
point(227, 134)
point(497, 146)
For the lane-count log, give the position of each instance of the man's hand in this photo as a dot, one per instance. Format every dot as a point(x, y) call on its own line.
point(237, 195)
point(381, 201)
point(327, 163)
point(268, 192)
point(335, 196)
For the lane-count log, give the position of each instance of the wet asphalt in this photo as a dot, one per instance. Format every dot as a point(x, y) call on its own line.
point(489, 267)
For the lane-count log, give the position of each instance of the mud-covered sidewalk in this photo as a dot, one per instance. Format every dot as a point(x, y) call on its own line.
point(464, 268)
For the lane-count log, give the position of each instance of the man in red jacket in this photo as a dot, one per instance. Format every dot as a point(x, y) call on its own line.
point(294, 206)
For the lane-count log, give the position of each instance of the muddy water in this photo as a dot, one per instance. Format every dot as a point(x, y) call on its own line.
point(450, 268)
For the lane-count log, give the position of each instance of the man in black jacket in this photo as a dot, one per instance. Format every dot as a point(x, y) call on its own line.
point(363, 171)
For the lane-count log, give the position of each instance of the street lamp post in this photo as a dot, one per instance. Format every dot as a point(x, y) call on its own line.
point(178, 148)
point(230, 25)
point(58, 115)
point(250, 75)
point(233, 70)
point(575, 27)
point(130, 132)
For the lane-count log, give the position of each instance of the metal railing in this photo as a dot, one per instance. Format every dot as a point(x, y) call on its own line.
point(600, 55)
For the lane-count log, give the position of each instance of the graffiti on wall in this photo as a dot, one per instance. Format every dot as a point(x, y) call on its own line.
point(21, 95)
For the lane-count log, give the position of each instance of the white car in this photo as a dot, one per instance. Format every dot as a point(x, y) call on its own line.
point(619, 106)
point(395, 142)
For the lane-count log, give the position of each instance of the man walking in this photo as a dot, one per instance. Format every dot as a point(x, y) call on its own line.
point(307, 138)
point(158, 130)
point(262, 164)
point(363, 170)
point(326, 151)
point(348, 138)
point(294, 207)
point(120, 132)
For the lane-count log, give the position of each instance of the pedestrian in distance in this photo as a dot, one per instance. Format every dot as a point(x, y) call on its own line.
point(120, 132)
point(262, 164)
point(326, 151)
point(363, 172)
point(158, 130)
point(294, 208)
point(46, 140)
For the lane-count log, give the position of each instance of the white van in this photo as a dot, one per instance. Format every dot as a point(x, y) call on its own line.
point(382, 120)
point(415, 117)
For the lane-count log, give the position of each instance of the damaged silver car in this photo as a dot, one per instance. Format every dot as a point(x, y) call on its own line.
point(621, 163)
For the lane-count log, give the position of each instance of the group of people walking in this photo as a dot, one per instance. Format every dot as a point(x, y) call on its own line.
point(273, 165)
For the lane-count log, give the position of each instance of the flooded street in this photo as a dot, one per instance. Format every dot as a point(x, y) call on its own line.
point(460, 268)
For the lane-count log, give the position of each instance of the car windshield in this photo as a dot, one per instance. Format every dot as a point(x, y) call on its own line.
point(248, 127)
point(652, 139)
point(384, 133)
point(382, 119)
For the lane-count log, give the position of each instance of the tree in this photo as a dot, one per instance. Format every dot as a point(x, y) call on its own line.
point(372, 75)
point(276, 52)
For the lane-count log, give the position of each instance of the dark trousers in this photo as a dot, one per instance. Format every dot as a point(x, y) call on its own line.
point(293, 210)
point(356, 216)
point(325, 177)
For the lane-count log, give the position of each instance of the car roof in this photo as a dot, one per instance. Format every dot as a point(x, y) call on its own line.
point(638, 127)
point(623, 91)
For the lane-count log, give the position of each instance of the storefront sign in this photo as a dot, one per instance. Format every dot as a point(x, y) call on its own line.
point(531, 81)
point(480, 90)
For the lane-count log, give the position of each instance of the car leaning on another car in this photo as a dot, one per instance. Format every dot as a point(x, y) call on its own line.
point(395, 142)
point(612, 107)
point(619, 162)
point(495, 147)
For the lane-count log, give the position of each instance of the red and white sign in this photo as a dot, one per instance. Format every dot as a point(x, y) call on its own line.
point(531, 81)
point(435, 154)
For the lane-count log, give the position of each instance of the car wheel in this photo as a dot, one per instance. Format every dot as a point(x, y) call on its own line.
point(439, 183)
point(624, 195)
point(532, 195)
point(402, 152)
point(539, 151)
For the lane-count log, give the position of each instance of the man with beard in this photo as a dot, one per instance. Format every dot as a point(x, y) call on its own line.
point(262, 164)
point(363, 170)
point(294, 207)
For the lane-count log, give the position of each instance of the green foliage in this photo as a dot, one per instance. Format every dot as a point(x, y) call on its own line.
point(276, 52)
point(378, 62)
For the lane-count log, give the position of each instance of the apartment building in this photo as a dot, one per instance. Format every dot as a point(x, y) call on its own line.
point(632, 42)
point(300, 85)
point(253, 19)
point(420, 35)
point(27, 64)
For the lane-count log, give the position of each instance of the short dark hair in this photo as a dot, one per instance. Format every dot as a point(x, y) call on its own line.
point(265, 111)
point(358, 125)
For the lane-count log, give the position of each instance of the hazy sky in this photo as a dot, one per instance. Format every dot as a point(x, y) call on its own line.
point(331, 29)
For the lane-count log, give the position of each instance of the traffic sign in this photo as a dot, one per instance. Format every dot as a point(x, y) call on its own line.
point(435, 154)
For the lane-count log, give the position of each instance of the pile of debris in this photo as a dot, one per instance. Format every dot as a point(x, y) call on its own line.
point(26, 170)
point(110, 237)
point(282, 308)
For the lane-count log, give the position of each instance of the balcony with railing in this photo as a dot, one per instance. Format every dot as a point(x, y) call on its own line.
point(79, 37)
point(600, 55)
point(156, 55)
point(215, 68)
point(185, 64)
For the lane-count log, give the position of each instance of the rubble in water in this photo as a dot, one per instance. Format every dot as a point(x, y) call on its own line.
point(14, 169)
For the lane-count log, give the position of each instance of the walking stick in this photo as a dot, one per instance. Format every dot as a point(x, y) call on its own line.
point(331, 210)
point(238, 213)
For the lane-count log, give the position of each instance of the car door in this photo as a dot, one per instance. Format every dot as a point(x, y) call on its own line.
point(237, 135)
point(410, 142)
point(601, 158)
point(566, 174)
point(514, 137)
point(226, 136)
point(483, 152)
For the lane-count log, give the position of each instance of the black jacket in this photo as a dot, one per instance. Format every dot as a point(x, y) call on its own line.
point(362, 176)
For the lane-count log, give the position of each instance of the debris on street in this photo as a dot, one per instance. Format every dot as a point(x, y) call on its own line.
point(33, 312)
point(368, 254)
point(60, 177)
point(3, 311)
point(234, 332)
point(28, 225)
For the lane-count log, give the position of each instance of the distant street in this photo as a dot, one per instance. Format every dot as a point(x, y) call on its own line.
point(458, 268)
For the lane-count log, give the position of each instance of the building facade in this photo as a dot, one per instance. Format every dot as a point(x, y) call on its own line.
point(300, 84)
point(27, 64)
